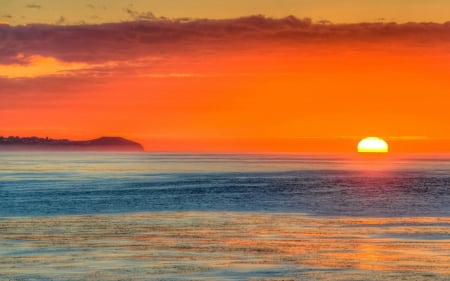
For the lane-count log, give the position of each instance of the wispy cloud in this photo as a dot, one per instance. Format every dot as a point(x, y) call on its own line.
point(61, 20)
point(37, 65)
point(34, 6)
point(140, 16)
point(96, 7)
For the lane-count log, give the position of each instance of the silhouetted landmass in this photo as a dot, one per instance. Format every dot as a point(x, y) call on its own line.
point(47, 144)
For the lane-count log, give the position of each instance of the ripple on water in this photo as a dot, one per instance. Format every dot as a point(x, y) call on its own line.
point(225, 246)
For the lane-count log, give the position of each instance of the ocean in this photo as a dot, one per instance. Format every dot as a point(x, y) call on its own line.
point(156, 216)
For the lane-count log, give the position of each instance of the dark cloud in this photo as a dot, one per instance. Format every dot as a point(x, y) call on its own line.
point(34, 6)
point(324, 22)
point(61, 20)
point(131, 40)
point(7, 16)
point(140, 16)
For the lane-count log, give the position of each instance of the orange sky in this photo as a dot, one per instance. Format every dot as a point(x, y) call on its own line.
point(18, 12)
point(252, 84)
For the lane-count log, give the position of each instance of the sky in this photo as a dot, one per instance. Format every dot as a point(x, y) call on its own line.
point(342, 11)
point(245, 76)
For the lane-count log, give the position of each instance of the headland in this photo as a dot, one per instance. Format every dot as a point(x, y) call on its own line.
point(14, 143)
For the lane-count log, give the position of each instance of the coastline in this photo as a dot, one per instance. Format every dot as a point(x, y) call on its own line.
point(47, 145)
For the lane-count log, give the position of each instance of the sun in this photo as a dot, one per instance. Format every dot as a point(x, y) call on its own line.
point(373, 145)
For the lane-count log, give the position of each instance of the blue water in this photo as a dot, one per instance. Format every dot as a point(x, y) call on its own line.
point(43, 184)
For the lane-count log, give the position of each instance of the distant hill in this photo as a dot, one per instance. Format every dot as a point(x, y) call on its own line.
point(47, 144)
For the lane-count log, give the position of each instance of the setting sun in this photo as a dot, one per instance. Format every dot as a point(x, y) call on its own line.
point(373, 145)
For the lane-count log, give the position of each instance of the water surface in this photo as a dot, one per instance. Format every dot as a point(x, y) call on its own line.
point(81, 183)
point(109, 216)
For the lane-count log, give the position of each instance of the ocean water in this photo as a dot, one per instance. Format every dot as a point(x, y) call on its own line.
point(149, 216)
point(42, 184)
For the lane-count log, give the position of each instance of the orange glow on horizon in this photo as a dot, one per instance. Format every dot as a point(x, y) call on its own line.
point(267, 96)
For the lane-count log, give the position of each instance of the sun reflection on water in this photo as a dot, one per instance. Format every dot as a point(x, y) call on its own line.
point(202, 245)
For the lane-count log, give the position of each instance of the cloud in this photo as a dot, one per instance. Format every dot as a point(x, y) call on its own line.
point(128, 45)
point(175, 75)
point(34, 6)
point(7, 16)
point(36, 65)
point(140, 16)
point(61, 20)
point(95, 7)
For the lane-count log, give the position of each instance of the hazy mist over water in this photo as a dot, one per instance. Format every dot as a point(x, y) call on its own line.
point(37, 184)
